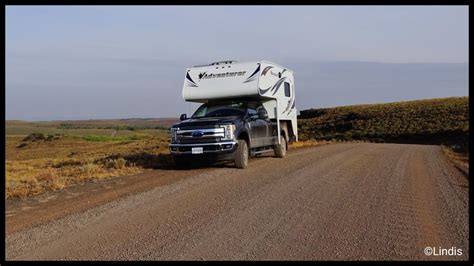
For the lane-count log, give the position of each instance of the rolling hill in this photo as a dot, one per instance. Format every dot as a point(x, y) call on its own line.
point(431, 121)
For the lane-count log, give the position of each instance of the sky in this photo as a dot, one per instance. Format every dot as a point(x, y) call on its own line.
point(91, 62)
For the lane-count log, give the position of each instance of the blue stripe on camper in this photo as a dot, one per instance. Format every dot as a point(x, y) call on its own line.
point(251, 79)
point(189, 78)
point(253, 74)
point(292, 106)
point(265, 70)
point(278, 85)
point(191, 84)
point(264, 91)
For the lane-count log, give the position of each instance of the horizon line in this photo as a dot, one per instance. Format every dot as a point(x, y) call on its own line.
point(177, 117)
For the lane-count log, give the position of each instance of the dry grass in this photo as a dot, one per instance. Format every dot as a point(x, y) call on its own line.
point(307, 143)
point(459, 159)
point(85, 151)
point(312, 142)
point(39, 166)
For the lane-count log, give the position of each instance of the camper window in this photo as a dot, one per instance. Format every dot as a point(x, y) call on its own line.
point(287, 89)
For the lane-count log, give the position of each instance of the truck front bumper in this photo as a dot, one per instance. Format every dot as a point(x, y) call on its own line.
point(216, 151)
point(214, 147)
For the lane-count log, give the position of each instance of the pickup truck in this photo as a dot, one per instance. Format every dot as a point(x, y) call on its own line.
point(229, 130)
point(246, 109)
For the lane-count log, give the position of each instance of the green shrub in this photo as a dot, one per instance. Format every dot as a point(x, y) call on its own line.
point(34, 137)
point(97, 138)
point(21, 145)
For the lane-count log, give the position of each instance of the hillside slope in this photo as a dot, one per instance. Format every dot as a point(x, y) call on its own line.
point(433, 121)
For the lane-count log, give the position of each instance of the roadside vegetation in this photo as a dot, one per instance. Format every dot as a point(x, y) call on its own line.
point(435, 121)
point(460, 159)
point(50, 157)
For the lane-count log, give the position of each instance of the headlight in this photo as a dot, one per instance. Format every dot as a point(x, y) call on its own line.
point(228, 132)
point(173, 133)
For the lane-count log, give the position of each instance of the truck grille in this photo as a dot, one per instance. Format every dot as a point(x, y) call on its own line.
point(201, 135)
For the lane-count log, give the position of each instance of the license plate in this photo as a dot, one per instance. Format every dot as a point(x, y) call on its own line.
point(196, 150)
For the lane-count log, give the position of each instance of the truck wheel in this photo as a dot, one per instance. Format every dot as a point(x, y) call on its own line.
point(181, 162)
point(280, 149)
point(241, 154)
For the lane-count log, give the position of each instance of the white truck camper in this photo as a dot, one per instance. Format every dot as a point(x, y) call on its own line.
point(266, 89)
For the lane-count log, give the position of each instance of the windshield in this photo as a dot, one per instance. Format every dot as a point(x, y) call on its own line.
point(231, 108)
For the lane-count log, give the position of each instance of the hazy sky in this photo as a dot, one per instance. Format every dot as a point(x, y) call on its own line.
point(128, 61)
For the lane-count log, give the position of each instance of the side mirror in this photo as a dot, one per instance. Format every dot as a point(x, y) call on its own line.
point(182, 117)
point(262, 114)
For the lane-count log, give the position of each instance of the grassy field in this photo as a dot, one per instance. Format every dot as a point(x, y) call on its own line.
point(121, 127)
point(64, 153)
point(55, 157)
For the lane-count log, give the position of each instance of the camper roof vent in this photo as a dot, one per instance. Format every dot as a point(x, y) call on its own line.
point(223, 62)
point(219, 63)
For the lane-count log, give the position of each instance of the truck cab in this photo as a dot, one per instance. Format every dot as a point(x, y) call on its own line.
point(230, 126)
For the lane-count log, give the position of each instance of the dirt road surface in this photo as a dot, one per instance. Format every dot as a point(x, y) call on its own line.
point(335, 202)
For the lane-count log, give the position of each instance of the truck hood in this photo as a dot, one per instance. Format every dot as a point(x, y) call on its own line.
point(206, 121)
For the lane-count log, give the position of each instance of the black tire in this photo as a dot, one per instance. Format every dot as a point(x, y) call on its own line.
point(242, 154)
point(280, 149)
point(181, 162)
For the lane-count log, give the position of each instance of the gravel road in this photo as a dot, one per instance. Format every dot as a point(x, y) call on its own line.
point(356, 201)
